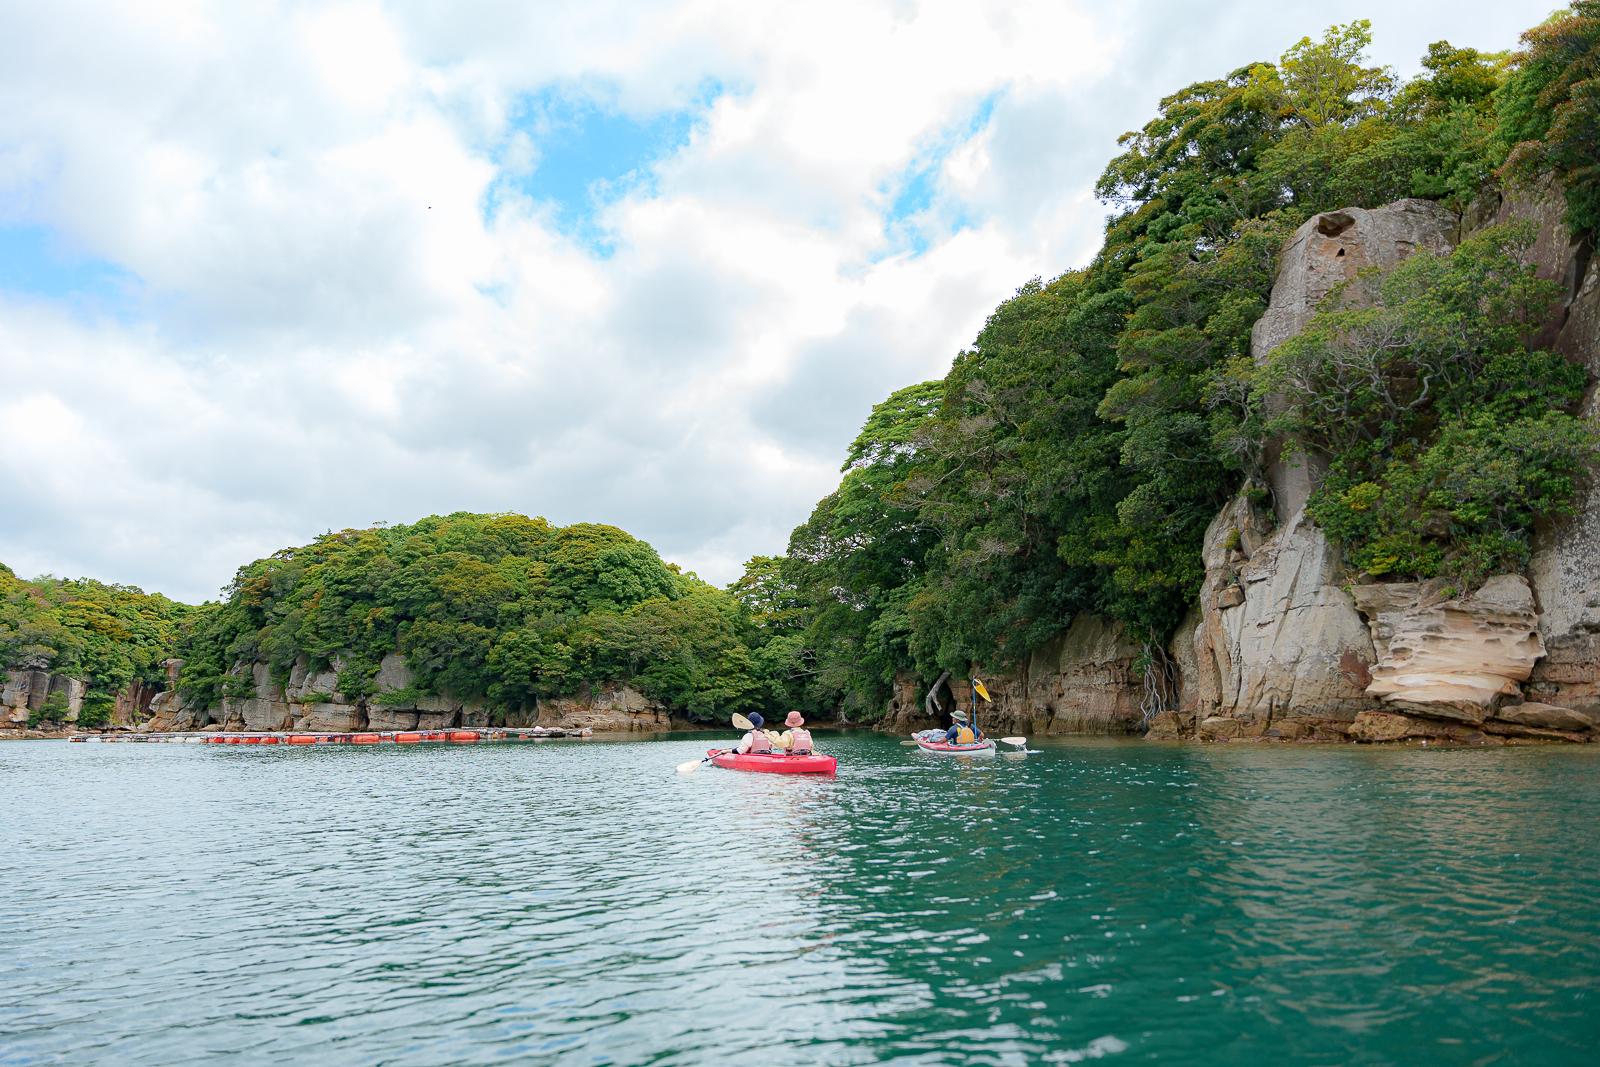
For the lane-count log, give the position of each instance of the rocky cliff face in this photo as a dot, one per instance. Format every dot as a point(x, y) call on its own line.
point(1329, 251)
point(1279, 647)
point(1281, 643)
point(27, 693)
point(1084, 681)
point(1284, 647)
point(311, 701)
point(614, 708)
point(58, 699)
point(1277, 637)
point(1454, 658)
point(1565, 571)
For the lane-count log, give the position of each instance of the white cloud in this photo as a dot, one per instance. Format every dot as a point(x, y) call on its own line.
point(345, 312)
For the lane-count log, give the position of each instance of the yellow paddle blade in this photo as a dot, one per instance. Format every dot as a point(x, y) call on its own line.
point(742, 723)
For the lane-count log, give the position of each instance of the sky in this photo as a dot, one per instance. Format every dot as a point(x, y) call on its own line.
point(271, 269)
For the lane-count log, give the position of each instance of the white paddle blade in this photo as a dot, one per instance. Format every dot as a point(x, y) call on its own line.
point(742, 723)
point(690, 767)
point(1020, 742)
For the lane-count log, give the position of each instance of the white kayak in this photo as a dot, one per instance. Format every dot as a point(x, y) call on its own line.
point(976, 748)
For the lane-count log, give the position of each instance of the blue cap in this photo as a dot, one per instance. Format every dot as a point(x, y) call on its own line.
point(756, 720)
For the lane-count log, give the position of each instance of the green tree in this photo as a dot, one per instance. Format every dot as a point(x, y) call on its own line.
point(1550, 110)
point(1080, 447)
point(862, 543)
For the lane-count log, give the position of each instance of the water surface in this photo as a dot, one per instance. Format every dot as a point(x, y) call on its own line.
point(578, 902)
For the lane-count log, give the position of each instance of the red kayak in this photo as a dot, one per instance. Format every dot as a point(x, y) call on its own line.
point(816, 763)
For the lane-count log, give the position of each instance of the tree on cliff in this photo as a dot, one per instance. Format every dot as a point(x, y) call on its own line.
point(1447, 437)
point(1550, 109)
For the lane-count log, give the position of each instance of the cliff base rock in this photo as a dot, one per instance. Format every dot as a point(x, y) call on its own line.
point(1451, 658)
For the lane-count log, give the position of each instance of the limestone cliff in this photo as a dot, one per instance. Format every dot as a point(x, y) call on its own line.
point(1277, 636)
point(310, 700)
point(1457, 658)
point(1278, 646)
point(58, 699)
point(1285, 646)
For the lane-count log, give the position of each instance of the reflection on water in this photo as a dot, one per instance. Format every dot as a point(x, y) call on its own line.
point(583, 903)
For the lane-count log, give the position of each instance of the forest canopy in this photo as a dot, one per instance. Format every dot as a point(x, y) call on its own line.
point(502, 609)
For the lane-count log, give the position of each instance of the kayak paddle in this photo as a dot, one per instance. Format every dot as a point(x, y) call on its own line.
point(690, 766)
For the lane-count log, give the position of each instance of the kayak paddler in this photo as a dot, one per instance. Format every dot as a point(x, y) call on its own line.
point(796, 739)
point(961, 732)
point(756, 740)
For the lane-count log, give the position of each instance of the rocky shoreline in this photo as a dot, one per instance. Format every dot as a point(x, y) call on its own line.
point(309, 702)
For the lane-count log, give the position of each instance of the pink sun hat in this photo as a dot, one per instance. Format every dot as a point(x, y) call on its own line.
point(794, 720)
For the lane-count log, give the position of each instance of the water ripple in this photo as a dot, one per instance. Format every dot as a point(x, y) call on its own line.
point(580, 903)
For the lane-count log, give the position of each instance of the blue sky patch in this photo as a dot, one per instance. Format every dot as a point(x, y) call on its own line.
point(35, 262)
point(589, 153)
point(913, 190)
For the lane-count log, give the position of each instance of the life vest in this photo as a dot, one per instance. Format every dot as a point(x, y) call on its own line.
point(799, 741)
point(759, 741)
point(965, 736)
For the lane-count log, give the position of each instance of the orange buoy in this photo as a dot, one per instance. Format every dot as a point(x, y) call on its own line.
point(463, 735)
point(270, 739)
point(301, 739)
point(364, 739)
point(407, 739)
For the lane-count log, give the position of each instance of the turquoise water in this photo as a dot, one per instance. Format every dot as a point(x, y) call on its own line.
point(578, 902)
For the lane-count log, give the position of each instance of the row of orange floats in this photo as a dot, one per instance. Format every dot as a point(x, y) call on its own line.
point(412, 737)
point(399, 737)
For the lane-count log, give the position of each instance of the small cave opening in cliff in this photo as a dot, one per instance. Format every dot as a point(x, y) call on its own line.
point(1333, 223)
